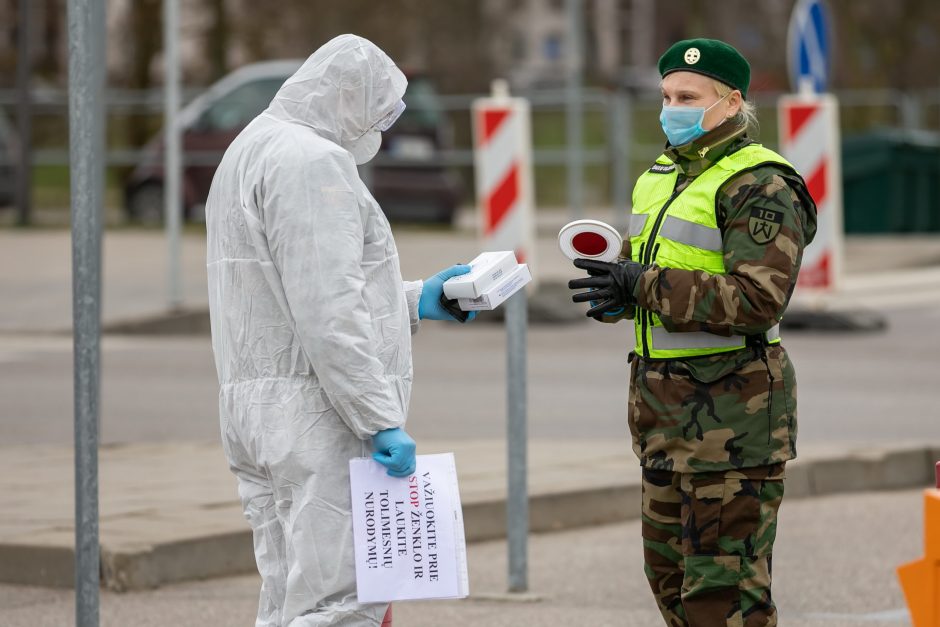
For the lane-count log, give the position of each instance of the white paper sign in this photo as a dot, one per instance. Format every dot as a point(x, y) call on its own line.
point(409, 538)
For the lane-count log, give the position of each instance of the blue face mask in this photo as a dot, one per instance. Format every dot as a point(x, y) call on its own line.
point(684, 124)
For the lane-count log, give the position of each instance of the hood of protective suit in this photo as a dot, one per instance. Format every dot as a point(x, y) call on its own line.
point(344, 88)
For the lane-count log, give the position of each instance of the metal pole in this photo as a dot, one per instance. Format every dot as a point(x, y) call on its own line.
point(517, 501)
point(573, 108)
point(171, 198)
point(910, 110)
point(24, 119)
point(620, 144)
point(98, 47)
point(642, 33)
point(86, 147)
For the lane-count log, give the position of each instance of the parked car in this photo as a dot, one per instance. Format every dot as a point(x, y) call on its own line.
point(406, 176)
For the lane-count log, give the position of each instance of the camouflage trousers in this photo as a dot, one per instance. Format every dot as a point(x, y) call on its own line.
point(707, 544)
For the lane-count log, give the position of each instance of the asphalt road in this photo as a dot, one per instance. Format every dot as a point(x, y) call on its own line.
point(836, 556)
point(853, 387)
point(833, 567)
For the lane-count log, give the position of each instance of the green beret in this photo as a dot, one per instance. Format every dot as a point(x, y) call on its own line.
point(709, 57)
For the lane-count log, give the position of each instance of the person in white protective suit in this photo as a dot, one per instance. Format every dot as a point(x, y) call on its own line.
point(311, 326)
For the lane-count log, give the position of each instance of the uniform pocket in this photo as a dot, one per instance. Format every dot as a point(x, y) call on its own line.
point(720, 513)
point(632, 402)
point(710, 517)
point(728, 530)
point(701, 513)
point(708, 573)
point(712, 369)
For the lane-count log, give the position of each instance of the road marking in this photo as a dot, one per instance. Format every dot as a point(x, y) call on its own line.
point(887, 280)
point(884, 290)
point(897, 300)
point(31, 344)
point(899, 615)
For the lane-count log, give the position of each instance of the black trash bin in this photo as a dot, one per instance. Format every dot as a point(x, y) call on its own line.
point(891, 182)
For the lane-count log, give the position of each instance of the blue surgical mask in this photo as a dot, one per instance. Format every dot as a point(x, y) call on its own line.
point(684, 124)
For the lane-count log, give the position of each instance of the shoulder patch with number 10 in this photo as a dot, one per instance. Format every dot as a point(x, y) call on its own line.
point(764, 224)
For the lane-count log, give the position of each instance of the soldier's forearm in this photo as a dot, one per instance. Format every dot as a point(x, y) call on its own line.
point(731, 301)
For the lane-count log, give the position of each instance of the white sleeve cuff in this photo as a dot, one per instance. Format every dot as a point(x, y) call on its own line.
point(413, 291)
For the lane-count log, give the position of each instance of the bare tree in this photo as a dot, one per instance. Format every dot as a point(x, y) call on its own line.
point(218, 38)
point(145, 40)
point(49, 49)
point(9, 16)
point(443, 39)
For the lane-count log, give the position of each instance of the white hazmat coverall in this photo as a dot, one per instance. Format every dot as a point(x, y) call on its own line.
point(311, 324)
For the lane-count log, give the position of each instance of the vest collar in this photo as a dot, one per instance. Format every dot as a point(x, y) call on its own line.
point(698, 155)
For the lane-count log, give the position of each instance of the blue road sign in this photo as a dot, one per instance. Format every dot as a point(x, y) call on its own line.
point(809, 47)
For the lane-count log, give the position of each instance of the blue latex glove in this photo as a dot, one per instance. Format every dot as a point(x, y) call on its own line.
point(429, 305)
point(395, 450)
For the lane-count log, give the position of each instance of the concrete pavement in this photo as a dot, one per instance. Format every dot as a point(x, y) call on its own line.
point(834, 564)
point(169, 510)
point(36, 275)
point(853, 387)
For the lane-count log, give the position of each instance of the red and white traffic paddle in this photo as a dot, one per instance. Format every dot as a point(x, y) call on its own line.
point(590, 239)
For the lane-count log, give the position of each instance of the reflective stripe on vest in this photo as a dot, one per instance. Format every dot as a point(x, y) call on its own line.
point(637, 222)
point(664, 340)
point(685, 232)
point(773, 334)
point(681, 231)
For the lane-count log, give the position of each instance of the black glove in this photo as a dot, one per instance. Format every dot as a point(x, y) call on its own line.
point(450, 305)
point(612, 283)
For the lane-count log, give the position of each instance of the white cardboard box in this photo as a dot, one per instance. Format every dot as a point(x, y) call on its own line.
point(486, 270)
point(498, 293)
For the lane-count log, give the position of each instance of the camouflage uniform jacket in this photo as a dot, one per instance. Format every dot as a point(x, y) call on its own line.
point(737, 409)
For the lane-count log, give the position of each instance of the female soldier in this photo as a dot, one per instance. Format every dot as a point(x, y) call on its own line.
point(716, 238)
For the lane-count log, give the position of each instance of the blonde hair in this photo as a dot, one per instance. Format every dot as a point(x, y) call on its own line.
point(747, 114)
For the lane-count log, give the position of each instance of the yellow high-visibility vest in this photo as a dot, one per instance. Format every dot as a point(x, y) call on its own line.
point(681, 231)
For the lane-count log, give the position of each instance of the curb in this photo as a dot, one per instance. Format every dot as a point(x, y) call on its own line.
point(38, 565)
point(801, 318)
point(221, 555)
point(179, 322)
point(551, 304)
point(228, 551)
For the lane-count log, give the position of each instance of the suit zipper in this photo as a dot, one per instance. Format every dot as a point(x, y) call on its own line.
point(646, 319)
point(641, 313)
point(638, 313)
